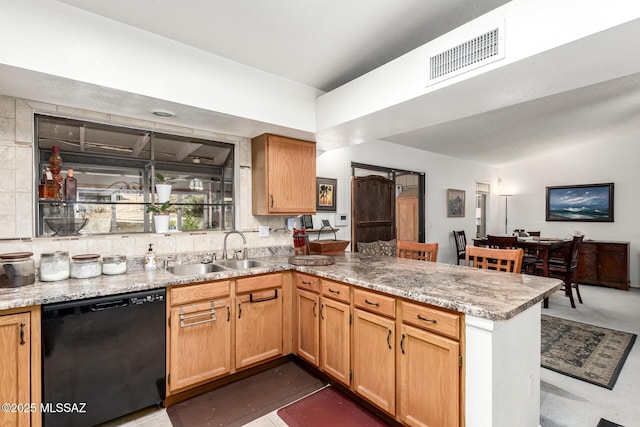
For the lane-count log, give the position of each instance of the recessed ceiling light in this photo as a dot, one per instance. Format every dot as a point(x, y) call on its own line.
point(163, 113)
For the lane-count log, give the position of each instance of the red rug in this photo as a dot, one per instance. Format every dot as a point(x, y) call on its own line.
point(328, 408)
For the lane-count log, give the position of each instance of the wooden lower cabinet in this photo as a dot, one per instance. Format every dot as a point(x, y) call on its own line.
point(374, 362)
point(259, 321)
point(199, 334)
point(307, 326)
point(334, 340)
point(604, 263)
point(200, 343)
point(429, 379)
point(20, 366)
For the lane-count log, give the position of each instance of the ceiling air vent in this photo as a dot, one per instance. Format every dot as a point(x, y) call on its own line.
point(474, 53)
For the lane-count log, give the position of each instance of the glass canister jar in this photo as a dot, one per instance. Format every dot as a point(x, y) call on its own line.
point(85, 266)
point(17, 269)
point(116, 264)
point(54, 266)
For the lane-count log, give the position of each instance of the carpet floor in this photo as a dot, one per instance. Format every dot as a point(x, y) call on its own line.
point(585, 352)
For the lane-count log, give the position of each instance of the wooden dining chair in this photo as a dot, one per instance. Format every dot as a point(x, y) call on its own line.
point(529, 259)
point(461, 244)
point(508, 260)
point(415, 250)
point(502, 242)
point(564, 265)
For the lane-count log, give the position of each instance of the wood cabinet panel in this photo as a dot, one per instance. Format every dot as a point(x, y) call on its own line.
point(429, 379)
point(604, 263)
point(200, 343)
point(308, 328)
point(258, 327)
point(311, 283)
point(374, 362)
point(256, 283)
point(15, 367)
point(431, 319)
point(283, 175)
point(374, 302)
point(20, 364)
point(204, 291)
point(335, 340)
point(337, 291)
point(407, 219)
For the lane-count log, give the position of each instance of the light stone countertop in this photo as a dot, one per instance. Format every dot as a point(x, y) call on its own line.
point(485, 294)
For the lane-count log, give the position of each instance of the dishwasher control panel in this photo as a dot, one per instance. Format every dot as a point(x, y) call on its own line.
point(146, 299)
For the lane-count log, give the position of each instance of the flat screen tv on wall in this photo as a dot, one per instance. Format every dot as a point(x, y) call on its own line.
point(589, 202)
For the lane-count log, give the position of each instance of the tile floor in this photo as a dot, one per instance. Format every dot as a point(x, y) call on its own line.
point(565, 402)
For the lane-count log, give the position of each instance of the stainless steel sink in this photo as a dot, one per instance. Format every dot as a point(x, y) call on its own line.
point(195, 269)
point(241, 264)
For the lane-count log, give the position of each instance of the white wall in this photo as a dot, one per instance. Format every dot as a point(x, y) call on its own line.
point(442, 172)
point(53, 38)
point(609, 160)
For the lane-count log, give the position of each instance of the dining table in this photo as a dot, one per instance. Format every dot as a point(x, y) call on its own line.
point(542, 247)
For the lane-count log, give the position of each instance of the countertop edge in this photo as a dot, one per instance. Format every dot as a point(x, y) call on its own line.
point(141, 280)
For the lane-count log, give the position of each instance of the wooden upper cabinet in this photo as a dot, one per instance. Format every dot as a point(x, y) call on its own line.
point(283, 175)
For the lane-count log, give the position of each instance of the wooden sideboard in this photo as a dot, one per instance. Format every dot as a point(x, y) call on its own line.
point(604, 263)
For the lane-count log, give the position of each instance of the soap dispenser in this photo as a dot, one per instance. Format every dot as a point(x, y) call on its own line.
point(150, 259)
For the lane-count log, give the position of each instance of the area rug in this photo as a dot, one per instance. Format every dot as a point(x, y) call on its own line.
point(243, 401)
point(328, 408)
point(585, 352)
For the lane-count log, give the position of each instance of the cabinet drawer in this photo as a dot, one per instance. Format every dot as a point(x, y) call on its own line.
point(431, 319)
point(337, 291)
point(375, 303)
point(255, 283)
point(310, 283)
point(204, 291)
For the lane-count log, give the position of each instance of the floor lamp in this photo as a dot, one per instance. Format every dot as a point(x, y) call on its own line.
point(506, 211)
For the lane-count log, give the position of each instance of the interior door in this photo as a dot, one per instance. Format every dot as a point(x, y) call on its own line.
point(372, 209)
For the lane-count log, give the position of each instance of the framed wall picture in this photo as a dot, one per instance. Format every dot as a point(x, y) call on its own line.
point(589, 202)
point(326, 194)
point(455, 203)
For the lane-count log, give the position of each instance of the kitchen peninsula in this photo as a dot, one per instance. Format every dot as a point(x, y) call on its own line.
point(499, 316)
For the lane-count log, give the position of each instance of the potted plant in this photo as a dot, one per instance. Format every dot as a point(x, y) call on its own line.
point(163, 188)
point(160, 216)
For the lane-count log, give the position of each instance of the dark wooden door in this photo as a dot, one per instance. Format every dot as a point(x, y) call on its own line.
point(372, 209)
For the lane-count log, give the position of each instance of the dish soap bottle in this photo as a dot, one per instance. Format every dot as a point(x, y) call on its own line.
point(150, 259)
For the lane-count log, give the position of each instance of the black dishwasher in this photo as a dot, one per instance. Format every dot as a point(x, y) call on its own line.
point(102, 357)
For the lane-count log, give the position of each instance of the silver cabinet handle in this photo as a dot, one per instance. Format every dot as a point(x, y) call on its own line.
point(184, 317)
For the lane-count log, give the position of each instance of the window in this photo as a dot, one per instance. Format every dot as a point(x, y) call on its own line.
point(115, 168)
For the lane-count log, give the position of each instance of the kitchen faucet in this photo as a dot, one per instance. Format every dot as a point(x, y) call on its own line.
point(224, 244)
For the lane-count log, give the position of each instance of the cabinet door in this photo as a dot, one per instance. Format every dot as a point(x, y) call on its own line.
point(374, 359)
point(588, 263)
point(200, 342)
point(334, 333)
point(15, 363)
point(612, 265)
point(308, 330)
point(292, 178)
point(258, 327)
point(407, 219)
point(429, 379)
